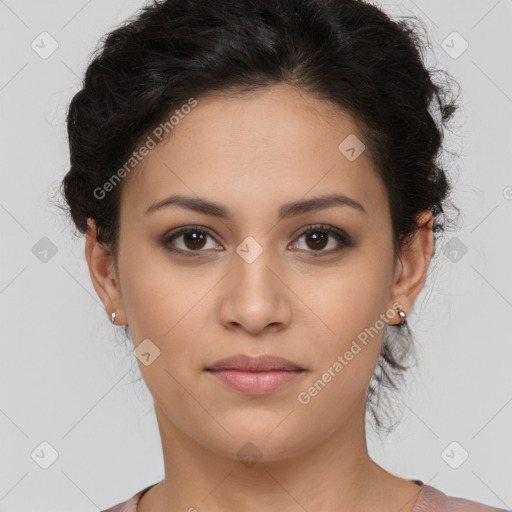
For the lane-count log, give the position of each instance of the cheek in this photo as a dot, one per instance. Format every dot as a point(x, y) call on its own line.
point(348, 299)
point(166, 308)
point(347, 359)
point(350, 304)
point(155, 293)
point(169, 305)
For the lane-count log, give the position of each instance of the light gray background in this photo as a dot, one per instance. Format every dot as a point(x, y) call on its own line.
point(63, 377)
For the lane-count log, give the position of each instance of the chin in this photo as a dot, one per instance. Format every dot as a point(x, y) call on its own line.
point(251, 445)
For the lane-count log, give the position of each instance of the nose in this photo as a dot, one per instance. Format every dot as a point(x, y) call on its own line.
point(254, 296)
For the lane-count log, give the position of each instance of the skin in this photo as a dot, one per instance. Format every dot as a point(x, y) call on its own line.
point(252, 154)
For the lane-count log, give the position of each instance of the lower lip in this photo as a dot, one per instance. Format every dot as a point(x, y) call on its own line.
point(255, 383)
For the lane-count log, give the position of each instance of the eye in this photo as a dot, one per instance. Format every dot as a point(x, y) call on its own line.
point(316, 239)
point(193, 239)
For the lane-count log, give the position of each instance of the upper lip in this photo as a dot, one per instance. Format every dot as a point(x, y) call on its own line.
point(255, 364)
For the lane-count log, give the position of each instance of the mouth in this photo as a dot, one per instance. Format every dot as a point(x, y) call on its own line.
point(255, 375)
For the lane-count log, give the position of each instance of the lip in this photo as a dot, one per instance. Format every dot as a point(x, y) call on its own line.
point(254, 363)
point(258, 375)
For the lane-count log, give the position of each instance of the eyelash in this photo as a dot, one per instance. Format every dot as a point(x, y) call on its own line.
point(339, 235)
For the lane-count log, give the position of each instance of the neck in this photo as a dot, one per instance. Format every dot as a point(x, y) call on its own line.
point(336, 475)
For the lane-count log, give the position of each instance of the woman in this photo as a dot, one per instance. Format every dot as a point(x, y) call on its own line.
point(260, 191)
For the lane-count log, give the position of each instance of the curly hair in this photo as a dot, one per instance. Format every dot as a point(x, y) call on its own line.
point(348, 52)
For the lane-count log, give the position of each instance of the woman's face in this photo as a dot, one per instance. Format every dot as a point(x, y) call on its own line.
point(250, 281)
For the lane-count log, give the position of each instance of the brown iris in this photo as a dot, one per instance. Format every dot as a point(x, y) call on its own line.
point(318, 238)
point(194, 239)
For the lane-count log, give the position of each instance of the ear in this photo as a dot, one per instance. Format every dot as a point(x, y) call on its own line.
point(412, 265)
point(103, 274)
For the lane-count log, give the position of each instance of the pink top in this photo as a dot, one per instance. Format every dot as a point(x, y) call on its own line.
point(430, 499)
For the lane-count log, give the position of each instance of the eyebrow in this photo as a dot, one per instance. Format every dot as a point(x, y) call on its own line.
point(285, 211)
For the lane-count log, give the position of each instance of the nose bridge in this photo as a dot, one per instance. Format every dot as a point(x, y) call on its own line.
point(254, 296)
point(253, 262)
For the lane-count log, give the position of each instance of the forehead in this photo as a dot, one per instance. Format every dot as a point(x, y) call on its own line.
point(256, 151)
